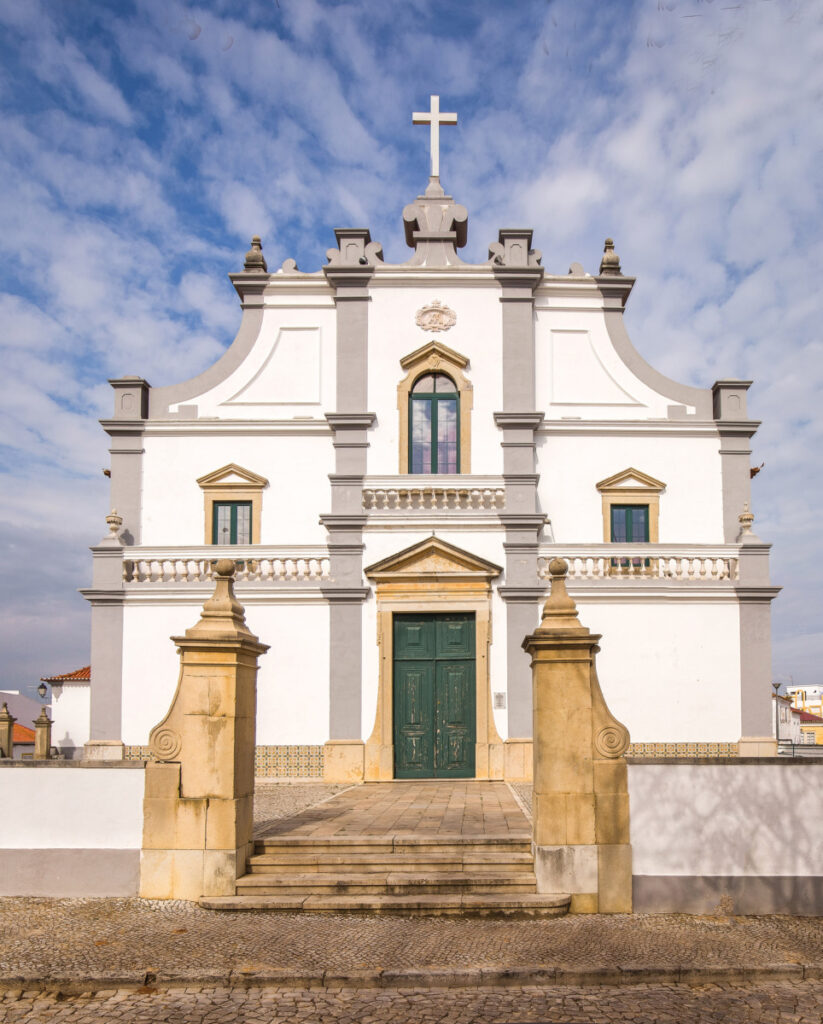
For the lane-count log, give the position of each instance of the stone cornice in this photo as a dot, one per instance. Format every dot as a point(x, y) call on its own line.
point(350, 420)
point(615, 289)
point(250, 287)
point(519, 420)
point(123, 428)
point(345, 595)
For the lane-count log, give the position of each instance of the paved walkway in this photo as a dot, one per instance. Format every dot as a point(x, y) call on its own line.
point(434, 808)
point(772, 1003)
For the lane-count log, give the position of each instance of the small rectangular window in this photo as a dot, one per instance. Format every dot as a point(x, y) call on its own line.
point(630, 525)
point(231, 522)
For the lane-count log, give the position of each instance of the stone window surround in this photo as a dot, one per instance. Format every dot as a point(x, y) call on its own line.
point(249, 488)
point(435, 357)
point(646, 491)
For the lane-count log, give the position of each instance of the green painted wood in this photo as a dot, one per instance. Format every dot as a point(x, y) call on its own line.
point(434, 696)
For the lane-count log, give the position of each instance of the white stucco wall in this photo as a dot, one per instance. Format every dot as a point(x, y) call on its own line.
point(71, 807)
point(721, 819)
point(70, 714)
point(290, 370)
point(669, 670)
point(292, 683)
point(296, 467)
point(691, 510)
point(393, 334)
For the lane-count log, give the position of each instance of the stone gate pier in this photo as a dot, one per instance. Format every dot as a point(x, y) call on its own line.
point(581, 797)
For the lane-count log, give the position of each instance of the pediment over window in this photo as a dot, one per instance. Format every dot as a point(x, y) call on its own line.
point(434, 560)
point(631, 479)
point(232, 474)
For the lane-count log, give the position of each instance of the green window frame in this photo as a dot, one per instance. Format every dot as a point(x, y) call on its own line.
point(434, 425)
point(232, 520)
point(630, 525)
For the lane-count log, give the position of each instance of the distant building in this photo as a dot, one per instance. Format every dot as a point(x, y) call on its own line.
point(70, 710)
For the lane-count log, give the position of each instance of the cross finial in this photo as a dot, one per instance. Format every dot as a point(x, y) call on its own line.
point(434, 118)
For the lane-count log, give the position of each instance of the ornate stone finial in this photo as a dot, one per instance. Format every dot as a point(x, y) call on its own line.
point(560, 611)
point(746, 519)
point(42, 736)
point(222, 613)
point(114, 522)
point(7, 721)
point(5, 714)
point(255, 260)
point(610, 264)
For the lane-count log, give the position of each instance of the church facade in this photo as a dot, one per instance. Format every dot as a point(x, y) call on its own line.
point(393, 453)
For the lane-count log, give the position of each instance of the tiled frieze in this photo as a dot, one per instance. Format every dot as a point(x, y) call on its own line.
point(303, 761)
point(682, 750)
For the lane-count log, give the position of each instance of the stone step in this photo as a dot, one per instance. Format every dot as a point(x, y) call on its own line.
point(395, 883)
point(309, 860)
point(395, 844)
point(465, 904)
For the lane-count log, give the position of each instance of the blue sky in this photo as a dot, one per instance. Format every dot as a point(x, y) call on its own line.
point(144, 142)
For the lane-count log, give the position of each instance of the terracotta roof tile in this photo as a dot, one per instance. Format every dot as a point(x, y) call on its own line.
point(22, 734)
point(79, 674)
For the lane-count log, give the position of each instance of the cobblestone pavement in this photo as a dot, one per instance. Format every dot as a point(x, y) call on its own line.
point(51, 940)
point(731, 1004)
point(275, 799)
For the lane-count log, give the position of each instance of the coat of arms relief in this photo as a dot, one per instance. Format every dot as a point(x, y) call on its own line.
point(435, 317)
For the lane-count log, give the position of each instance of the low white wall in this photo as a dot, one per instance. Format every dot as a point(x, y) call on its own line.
point(743, 836)
point(70, 830)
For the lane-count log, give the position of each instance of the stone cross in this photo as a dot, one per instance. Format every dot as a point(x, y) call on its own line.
point(434, 118)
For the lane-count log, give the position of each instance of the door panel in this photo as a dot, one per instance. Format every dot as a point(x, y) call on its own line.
point(414, 720)
point(434, 696)
point(455, 719)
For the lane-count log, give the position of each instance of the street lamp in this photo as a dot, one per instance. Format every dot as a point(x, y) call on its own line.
point(42, 691)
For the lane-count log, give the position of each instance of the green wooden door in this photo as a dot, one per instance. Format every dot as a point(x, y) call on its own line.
point(434, 696)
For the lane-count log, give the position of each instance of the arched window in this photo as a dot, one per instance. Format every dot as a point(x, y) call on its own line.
point(434, 441)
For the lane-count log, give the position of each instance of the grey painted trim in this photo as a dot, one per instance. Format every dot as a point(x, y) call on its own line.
point(345, 668)
point(6, 762)
point(106, 671)
point(700, 398)
point(728, 762)
point(735, 477)
point(161, 398)
point(126, 485)
point(755, 668)
point(69, 873)
point(749, 894)
point(521, 619)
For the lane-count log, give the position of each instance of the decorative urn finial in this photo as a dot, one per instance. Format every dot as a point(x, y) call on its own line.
point(746, 519)
point(559, 611)
point(114, 522)
point(255, 260)
point(610, 264)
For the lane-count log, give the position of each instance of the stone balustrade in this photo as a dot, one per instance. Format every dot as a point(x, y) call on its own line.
point(434, 493)
point(678, 563)
point(254, 565)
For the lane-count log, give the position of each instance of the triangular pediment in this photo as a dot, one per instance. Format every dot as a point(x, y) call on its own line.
point(434, 350)
point(433, 559)
point(631, 479)
point(233, 474)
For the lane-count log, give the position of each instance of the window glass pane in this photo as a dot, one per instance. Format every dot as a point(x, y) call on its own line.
point(421, 428)
point(444, 385)
point(223, 524)
point(425, 384)
point(639, 519)
point(243, 524)
point(619, 524)
point(447, 436)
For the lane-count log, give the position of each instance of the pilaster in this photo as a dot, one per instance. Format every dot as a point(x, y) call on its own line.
point(349, 273)
point(131, 409)
point(755, 594)
point(517, 270)
point(735, 431)
point(106, 596)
